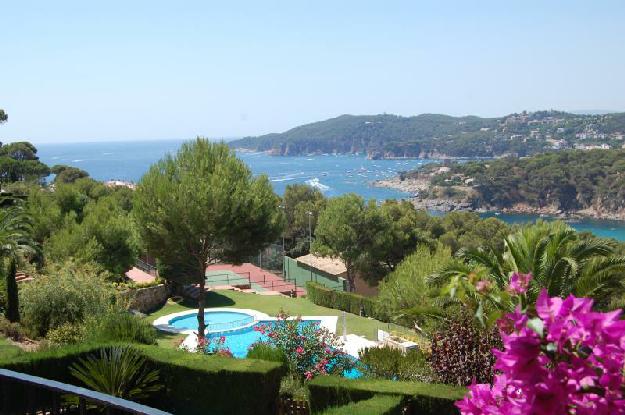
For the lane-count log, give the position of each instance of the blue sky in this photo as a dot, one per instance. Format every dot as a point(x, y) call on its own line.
point(86, 70)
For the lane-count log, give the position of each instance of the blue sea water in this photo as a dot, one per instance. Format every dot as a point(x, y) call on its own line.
point(332, 174)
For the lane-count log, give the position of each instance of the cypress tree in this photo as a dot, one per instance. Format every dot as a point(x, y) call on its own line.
point(12, 312)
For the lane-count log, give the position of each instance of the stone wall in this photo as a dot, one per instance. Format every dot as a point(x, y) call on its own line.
point(148, 299)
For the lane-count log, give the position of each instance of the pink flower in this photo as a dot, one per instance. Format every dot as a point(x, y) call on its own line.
point(308, 375)
point(519, 283)
point(564, 359)
point(299, 350)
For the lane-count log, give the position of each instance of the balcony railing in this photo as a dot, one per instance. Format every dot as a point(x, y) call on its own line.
point(27, 394)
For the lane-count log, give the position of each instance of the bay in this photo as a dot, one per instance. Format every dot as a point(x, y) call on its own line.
point(332, 174)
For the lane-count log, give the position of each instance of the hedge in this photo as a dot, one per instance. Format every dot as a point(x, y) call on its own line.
point(341, 300)
point(378, 404)
point(193, 384)
point(421, 398)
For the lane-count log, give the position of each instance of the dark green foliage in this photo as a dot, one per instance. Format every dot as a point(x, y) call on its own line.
point(70, 293)
point(121, 326)
point(12, 312)
point(391, 363)
point(193, 384)
point(105, 236)
point(119, 371)
point(264, 351)
point(427, 135)
point(378, 404)
point(19, 162)
point(3, 116)
point(567, 180)
point(67, 174)
point(461, 352)
point(297, 202)
point(203, 205)
point(421, 398)
point(341, 300)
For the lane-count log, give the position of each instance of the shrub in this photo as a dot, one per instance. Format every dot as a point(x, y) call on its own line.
point(264, 351)
point(309, 349)
point(193, 384)
point(391, 363)
point(119, 371)
point(405, 294)
point(13, 331)
point(341, 300)
point(67, 294)
point(293, 387)
point(461, 352)
point(66, 333)
point(121, 326)
point(560, 357)
point(421, 398)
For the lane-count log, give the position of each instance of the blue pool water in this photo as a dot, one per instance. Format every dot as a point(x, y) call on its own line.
point(239, 341)
point(221, 318)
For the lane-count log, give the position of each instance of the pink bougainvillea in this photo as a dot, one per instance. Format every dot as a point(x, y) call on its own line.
point(559, 358)
point(519, 283)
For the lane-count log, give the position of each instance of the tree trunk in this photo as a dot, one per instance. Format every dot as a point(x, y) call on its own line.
point(350, 278)
point(201, 326)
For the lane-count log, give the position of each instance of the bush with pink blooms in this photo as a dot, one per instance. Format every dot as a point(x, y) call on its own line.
point(212, 346)
point(310, 350)
point(559, 357)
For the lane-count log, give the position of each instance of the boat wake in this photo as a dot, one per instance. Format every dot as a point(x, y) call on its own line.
point(314, 182)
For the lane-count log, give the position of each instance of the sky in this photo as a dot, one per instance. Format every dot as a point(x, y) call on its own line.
point(139, 70)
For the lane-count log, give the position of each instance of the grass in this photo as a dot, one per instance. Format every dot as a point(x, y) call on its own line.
point(8, 350)
point(379, 404)
point(272, 304)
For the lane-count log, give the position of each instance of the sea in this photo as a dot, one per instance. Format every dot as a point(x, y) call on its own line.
point(331, 174)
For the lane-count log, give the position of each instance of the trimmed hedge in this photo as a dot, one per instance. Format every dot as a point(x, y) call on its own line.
point(193, 384)
point(379, 405)
point(420, 398)
point(341, 300)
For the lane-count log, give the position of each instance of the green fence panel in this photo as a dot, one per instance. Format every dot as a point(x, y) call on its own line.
point(300, 274)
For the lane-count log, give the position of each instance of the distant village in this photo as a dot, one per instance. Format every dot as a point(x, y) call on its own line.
point(560, 131)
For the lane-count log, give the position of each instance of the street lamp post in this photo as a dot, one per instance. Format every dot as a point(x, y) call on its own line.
point(309, 230)
point(283, 246)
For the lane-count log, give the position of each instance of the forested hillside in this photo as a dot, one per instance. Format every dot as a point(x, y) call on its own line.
point(432, 135)
point(568, 181)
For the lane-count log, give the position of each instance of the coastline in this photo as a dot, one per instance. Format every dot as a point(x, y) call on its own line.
point(415, 186)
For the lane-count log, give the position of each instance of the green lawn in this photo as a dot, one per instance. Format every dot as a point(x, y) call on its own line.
point(8, 350)
point(272, 304)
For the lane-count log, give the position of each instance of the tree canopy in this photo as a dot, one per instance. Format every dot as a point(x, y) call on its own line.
point(19, 162)
point(203, 205)
point(67, 174)
point(302, 205)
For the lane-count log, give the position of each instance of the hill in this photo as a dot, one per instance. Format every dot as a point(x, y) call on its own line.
point(590, 183)
point(439, 136)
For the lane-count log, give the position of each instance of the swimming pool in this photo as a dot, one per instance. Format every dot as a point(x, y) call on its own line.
point(236, 326)
point(216, 321)
point(239, 341)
